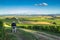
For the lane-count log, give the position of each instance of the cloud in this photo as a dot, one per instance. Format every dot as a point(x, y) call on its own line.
point(41, 4)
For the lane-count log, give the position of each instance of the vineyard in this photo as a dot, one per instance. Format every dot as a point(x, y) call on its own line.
point(50, 28)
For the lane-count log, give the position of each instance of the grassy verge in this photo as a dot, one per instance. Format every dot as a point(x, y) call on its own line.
point(9, 35)
point(48, 32)
point(27, 35)
point(52, 33)
point(23, 34)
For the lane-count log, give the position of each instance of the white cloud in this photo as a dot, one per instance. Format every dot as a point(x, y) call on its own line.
point(41, 4)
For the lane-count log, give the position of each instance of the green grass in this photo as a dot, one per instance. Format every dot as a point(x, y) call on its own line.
point(9, 35)
point(33, 19)
point(28, 35)
point(25, 35)
point(52, 33)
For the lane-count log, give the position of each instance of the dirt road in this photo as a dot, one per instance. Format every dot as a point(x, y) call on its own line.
point(38, 35)
point(23, 35)
point(42, 35)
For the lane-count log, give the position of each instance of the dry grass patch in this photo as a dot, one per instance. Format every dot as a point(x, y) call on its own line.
point(40, 23)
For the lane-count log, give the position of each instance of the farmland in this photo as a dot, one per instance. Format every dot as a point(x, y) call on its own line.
point(46, 24)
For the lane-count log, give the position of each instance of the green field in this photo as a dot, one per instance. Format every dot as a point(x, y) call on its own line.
point(48, 24)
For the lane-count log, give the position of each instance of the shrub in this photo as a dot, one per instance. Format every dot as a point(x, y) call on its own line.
point(35, 27)
point(54, 23)
point(1, 30)
point(22, 26)
point(1, 23)
point(30, 27)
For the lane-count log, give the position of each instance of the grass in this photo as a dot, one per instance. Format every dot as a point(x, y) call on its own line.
point(28, 35)
point(25, 35)
point(48, 32)
point(9, 35)
point(52, 33)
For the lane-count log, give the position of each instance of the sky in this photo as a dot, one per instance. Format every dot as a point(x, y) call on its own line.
point(29, 7)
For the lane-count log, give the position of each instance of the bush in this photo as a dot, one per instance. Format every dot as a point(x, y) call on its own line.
point(54, 23)
point(47, 28)
point(22, 26)
point(1, 23)
point(30, 27)
point(36, 27)
point(1, 30)
point(57, 29)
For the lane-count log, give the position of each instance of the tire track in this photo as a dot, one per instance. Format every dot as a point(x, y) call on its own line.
point(42, 35)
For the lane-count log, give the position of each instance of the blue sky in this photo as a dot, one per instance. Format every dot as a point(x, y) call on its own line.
point(29, 6)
